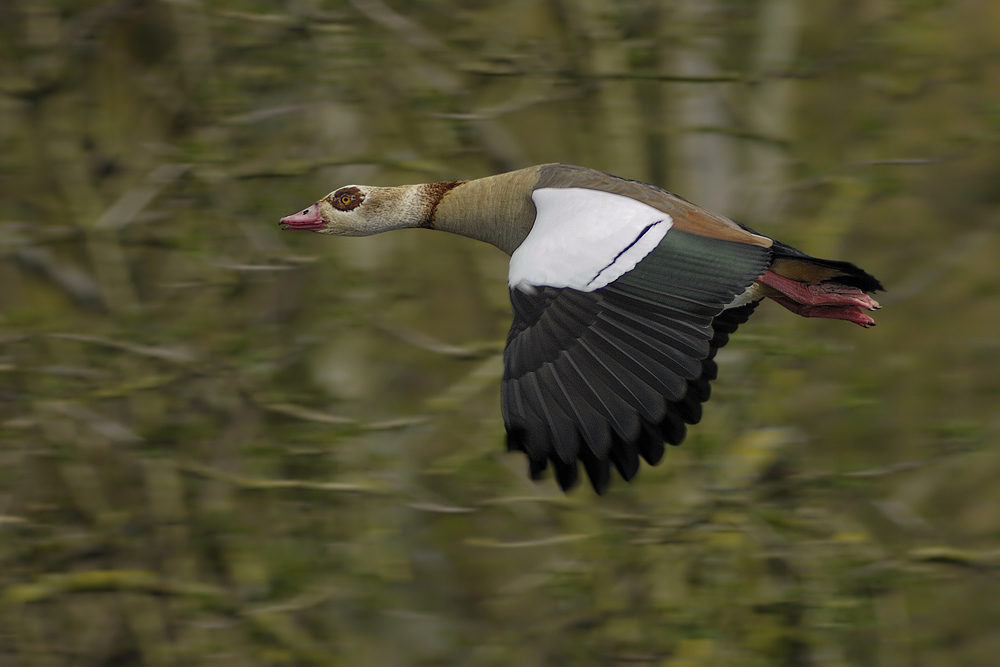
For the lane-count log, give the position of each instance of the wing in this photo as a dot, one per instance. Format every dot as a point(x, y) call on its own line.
point(607, 375)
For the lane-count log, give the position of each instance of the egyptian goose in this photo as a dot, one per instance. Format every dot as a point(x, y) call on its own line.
point(622, 295)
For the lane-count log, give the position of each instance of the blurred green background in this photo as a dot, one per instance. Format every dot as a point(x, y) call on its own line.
point(225, 445)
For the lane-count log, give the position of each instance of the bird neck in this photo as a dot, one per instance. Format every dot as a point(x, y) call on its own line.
point(497, 209)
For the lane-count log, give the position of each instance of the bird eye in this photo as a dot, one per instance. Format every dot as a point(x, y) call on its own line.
point(346, 199)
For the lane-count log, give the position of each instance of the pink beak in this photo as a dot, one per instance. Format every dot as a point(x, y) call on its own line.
point(310, 218)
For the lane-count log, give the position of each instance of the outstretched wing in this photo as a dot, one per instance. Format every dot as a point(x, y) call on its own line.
point(603, 375)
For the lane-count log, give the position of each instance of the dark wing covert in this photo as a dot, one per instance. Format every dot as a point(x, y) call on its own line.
point(607, 376)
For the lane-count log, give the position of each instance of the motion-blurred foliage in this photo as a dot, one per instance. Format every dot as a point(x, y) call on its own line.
point(224, 445)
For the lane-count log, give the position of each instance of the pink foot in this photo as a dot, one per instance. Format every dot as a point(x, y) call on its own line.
point(830, 300)
point(849, 313)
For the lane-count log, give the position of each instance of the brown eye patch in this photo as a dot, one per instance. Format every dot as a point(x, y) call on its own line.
point(346, 199)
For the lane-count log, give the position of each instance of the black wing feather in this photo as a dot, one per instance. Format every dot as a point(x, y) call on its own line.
point(602, 399)
point(605, 377)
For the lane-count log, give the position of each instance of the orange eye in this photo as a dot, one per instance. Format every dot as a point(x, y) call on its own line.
point(346, 199)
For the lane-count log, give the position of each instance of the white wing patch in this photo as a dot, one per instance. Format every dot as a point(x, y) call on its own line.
point(584, 239)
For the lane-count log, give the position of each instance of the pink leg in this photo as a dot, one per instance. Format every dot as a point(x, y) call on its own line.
point(830, 300)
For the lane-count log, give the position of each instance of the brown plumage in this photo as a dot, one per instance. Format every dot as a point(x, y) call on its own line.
point(622, 294)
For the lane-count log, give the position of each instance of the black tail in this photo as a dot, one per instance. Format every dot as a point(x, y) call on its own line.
point(844, 273)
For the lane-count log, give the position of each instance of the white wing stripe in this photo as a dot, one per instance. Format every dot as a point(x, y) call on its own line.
point(585, 239)
point(624, 253)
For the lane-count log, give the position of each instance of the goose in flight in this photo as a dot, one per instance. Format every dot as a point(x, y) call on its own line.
point(622, 295)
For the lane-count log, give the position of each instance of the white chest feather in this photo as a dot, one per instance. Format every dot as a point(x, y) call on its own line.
point(584, 239)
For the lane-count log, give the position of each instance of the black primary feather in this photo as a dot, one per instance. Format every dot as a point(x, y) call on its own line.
point(605, 377)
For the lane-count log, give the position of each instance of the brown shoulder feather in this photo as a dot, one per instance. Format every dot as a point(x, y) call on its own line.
point(686, 216)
